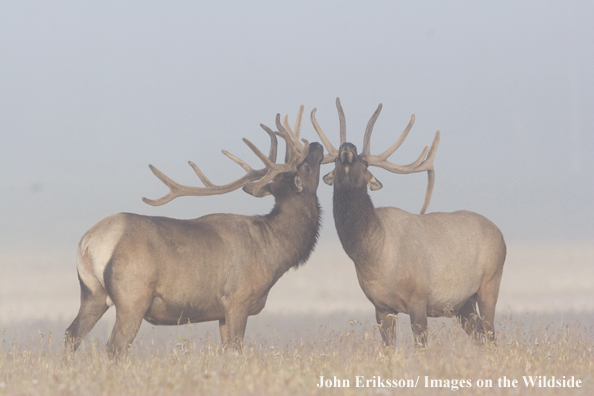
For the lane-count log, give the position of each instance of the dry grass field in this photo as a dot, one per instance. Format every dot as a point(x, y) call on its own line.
point(317, 324)
point(185, 362)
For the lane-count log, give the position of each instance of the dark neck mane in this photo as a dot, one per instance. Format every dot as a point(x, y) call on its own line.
point(355, 219)
point(296, 221)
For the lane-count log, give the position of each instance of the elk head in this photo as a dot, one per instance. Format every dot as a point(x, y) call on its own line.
point(352, 169)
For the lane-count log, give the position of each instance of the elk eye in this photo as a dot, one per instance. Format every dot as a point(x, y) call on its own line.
point(336, 159)
point(366, 164)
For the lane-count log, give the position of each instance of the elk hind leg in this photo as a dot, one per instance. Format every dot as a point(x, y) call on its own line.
point(93, 304)
point(487, 299)
point(131, 307)
point(418, 323)
point(128, 321)
point(469, 318)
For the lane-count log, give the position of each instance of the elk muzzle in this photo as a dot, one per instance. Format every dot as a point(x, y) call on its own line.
point(347, 153)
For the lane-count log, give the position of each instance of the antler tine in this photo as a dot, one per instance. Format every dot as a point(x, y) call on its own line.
point(428, 165)
point(173, 186)
point(304, 153)
point(238, 161)
point(369, 130)
point(291, 149)
point(295, 133)
point(386, 154)
point(332, 152)
point(342, 120)
point(293, 159)
point(273, 143)
point(257, 151)
point(298, 121)
point(429, 193)
point(274, 169)
point(294, 156)
point(203, 177)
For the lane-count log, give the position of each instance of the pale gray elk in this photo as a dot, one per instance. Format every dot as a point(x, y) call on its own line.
point(437, 264)
point(216, 267)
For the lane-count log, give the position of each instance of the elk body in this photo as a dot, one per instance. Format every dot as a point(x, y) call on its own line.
point(217, 267)
point(427, 265)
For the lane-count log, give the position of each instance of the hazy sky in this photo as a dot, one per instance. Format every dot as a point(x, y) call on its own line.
point(91, 93)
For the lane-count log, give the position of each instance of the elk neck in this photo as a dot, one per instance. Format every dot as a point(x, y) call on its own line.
point(293, 224)
point(356, 220)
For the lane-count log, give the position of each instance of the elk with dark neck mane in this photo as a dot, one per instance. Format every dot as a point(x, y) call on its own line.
point(217, 267)
point(437, 264)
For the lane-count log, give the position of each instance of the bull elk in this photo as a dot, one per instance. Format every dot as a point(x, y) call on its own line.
point(216, 267)
point(437, 264)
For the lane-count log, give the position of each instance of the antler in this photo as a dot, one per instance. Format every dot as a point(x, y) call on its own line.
point(422, 164)
point(332, 152)
point(294, 134)
point(252, 181)
point(295, 157)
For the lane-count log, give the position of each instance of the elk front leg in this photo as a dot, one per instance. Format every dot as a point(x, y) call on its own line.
point(387, 326)
point(234, 328)
point(418, 323)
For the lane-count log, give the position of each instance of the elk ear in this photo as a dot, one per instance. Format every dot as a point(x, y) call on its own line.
point(373, 183)
point(329, 178)
point(298, 183)
point(264, 191)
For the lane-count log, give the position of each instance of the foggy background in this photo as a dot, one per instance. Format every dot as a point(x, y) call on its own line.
point(91, 93)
